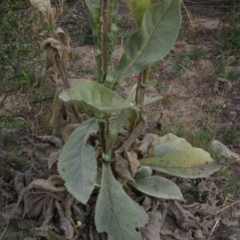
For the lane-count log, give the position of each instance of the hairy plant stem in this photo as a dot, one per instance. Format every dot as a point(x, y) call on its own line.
point(140, 92)
point(139, 98)
point(102, 136)
point(106, 24)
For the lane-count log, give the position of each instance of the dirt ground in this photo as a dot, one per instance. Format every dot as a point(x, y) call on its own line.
point(200, 84)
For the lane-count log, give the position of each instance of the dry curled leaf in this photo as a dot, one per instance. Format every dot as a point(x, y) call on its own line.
point(47, 232)
point(67, 131)
point(53, 140)
point(152, 230)
point(44, 6)
point(60, 114)
point(149, 140)
point(65, 223)
point(65, 40)
point(53, 48)
point(56, 180)
point(49, 213)
point(133, 162)
point(52, 161)
point(31, 200)
point(18, 180)
point(45, 185)
point(121, 166)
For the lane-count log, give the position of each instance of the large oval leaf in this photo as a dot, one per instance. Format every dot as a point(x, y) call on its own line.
point(117, 214)
point(163, 149)
point(191, 157)
point(192, 172)
point(158, 187)
point(152, 42)
point(77, 163)
point(95, 99)
point(177, 142)
point(188, 163)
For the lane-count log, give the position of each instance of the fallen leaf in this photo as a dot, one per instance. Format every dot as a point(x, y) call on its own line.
point(52, 161)
point(133, 162)
point(149, 140)
point(45, 185)
point(121, 166)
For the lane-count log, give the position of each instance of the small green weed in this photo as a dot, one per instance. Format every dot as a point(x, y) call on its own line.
point(178, 68)
point(15, 47)
point(230, 186)
point(185, 60)
point(196, 53)
point(161, 86)
point(231, 136)
point(223, 68)
point(77, 56)
point(232, 74)
point(83, 34)
point(229, 38)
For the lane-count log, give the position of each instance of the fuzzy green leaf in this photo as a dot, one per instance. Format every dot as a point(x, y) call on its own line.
point(92, 4)
point(117, 214)
point(186, 158)
point(193, 172)
point(152, 42)
point(143, 172)
point(147, 100)
point(163, 149)
point(158, 187)
point(94, 98)
point(77, 163)
point(176, 142)
point(138, 8)
point(189, 163)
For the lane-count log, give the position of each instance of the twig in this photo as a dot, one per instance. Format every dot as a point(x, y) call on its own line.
point(219, 211)
point(11, 78)
point(214, 227)
point(4, 98)
point(41, 100)
point(4, 230)
point(238, 201)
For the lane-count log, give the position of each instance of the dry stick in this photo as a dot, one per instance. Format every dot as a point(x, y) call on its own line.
point(214, 227)
point(62, 71)
point(41, 100)
point(4, 230)
point(238, 201)
point(219, 211)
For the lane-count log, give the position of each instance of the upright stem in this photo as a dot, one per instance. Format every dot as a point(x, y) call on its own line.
point(102, 138)
point(140, 93)
point(139, 99)
point(106, 24)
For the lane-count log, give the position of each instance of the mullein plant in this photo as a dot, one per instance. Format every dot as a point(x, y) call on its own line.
point(99, 154)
